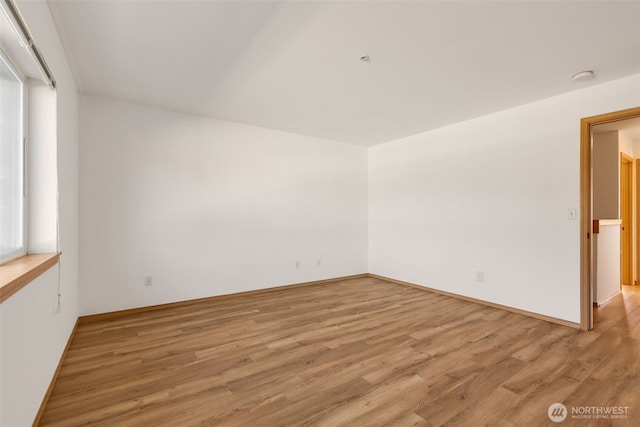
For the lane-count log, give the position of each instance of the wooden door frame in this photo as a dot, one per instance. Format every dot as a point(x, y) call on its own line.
point(627, 160)
point(636, 220)
point(586, 208)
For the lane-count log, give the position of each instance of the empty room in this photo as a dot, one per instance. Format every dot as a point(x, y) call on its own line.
point(319, 213)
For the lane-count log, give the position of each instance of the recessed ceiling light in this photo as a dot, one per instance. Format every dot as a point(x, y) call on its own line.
point(582, 76)
point(365, 58)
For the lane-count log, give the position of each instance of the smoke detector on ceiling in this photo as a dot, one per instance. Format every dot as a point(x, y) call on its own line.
point(582, 76)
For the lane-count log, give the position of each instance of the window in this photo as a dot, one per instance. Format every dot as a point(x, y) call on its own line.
point(12, 151)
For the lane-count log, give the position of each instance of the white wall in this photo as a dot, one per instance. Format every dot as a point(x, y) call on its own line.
point(607, 262)
point(606, 175)
point(491, 194)
point(626, 145)
point(32, 335)
point(208, 207)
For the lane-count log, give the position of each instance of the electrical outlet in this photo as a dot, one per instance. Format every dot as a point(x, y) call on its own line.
point(297, 264)
point(480, 276)
point(319, 262)
point(148, 281)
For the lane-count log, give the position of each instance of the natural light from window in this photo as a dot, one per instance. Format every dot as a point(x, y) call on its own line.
point(12, 195)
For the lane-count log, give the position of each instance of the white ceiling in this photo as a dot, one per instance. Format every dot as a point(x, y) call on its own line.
point(295, 66)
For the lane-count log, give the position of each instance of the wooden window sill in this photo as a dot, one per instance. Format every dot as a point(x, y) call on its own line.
point(18, 273)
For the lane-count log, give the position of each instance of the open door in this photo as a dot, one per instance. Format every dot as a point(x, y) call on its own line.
point(586, 208)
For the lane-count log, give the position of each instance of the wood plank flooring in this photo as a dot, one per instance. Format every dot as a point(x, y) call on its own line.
point(361, 352)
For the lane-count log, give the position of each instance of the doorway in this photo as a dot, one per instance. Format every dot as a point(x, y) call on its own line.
point(586, 208)
point(626, 215)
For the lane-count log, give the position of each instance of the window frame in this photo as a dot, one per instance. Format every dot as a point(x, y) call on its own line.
point(22, 250)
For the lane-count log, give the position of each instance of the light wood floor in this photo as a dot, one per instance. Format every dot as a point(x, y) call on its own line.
point(358, 353)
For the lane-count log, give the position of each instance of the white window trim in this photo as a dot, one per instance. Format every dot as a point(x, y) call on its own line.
point(16, 72)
